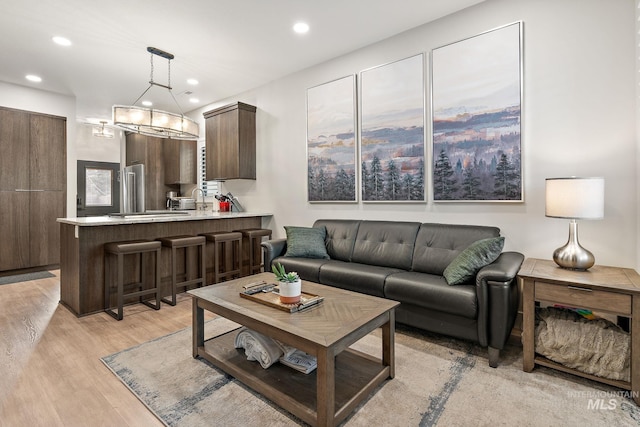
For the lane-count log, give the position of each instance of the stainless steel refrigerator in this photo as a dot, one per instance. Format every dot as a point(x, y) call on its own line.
point(133, 189)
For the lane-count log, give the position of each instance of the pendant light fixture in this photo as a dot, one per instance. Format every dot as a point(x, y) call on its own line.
point(101, 131)
point(154, 122)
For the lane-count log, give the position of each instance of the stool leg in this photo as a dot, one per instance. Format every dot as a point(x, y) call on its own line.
point(217, 250)
point(239, 258)
point(174, 279)
point(158, 278)
point(107, 283)
point(203, 266)
point(120, 296)
point(155, 306)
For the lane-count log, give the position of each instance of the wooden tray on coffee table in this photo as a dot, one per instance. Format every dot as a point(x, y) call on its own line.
point(272, 299)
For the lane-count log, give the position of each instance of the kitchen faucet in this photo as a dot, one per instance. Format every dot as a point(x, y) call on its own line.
point(203, 207)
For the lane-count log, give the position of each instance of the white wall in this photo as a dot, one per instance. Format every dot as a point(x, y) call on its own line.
point(578, 119)
point(30, 99)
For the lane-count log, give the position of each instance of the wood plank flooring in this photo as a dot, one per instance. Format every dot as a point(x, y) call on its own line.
point(50, 368)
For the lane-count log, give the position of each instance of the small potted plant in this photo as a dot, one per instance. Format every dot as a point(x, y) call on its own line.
point(289, 284)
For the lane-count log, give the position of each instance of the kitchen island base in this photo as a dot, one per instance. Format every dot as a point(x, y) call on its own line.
point(82, 251)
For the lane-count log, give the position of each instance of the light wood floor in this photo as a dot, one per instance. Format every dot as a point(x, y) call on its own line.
point(50, 368)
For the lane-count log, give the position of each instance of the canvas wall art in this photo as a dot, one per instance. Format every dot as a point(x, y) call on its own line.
point(476, 92)
point(392, 148)
point(331, 143)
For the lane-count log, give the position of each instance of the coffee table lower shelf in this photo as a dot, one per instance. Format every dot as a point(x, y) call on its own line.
point(357, 374)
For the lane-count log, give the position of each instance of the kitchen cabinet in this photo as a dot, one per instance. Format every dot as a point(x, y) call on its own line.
point(231, 142)
point(180, 161)
point(32, 188)
point(148, 150)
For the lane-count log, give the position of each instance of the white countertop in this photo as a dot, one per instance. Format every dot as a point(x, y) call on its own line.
point(192, 216)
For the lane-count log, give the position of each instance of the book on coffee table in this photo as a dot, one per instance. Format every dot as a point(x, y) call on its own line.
point(300, 361)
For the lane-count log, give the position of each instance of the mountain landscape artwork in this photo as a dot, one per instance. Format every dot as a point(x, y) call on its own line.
point(476, 99)
point(331, 143)
point(392, 132)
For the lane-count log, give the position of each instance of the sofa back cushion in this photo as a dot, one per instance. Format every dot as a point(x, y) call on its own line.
point(385, 243)
point(439, 244)
point(340, 237)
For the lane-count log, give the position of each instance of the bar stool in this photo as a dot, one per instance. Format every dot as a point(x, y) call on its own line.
point(252, 238)
point(184, 242)
point(227, 254)
point(119, 250)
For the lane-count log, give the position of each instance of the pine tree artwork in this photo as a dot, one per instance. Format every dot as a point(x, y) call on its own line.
point(392, 147)
point(331, 142)
point(476, 126)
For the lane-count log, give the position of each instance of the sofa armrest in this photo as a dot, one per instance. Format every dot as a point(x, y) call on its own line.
point(272, 249)
point(498, 299)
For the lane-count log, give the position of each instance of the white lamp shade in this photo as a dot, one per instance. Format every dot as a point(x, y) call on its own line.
point(577, 198)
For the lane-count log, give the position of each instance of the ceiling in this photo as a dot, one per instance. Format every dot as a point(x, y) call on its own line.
point(229, 46)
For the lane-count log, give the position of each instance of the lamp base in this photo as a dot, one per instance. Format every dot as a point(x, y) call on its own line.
point(573, 256)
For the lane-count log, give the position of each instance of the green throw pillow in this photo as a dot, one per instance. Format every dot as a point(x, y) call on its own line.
point(467, 264)
point(306, 242)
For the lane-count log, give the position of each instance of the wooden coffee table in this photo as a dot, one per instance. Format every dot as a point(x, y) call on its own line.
point(344, 377)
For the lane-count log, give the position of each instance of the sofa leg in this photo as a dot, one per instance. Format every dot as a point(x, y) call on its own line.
point(494, 355)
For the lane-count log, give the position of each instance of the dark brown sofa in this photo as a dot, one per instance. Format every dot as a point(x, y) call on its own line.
point(405, 261)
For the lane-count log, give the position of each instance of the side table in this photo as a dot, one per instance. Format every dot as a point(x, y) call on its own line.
point(611, 290)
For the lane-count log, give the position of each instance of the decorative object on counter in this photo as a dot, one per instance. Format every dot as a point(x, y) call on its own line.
point(574, 198)
point(154, 122)
point(289, 284)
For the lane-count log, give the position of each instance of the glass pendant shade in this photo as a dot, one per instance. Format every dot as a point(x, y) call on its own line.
point(153, 122)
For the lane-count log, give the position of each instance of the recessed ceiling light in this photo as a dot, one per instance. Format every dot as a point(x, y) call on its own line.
point(62, 41)
point(192, 81)
point(147, 103)
point(301, 27)
point(33, 78)
point(194, 100)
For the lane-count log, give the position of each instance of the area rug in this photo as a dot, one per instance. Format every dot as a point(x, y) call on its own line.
point(6, 280)
point(439, 381)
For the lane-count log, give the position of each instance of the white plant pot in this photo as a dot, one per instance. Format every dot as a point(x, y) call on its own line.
point(290, 292)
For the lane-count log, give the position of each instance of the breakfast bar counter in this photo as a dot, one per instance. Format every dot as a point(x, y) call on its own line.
point(82, 246)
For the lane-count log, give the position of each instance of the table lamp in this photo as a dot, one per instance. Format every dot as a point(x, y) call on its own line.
point(574, 198)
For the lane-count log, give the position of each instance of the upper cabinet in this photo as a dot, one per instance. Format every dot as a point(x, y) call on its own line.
point(148, 151)
point(231, 142)
point(180, 161)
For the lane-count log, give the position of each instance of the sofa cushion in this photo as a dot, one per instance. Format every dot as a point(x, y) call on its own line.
point(432, 292)
point(439, 244)
point(366, 279)
point(306, 242)
point(341, 235)
point(385, 243)
point(307, 268)
point(478, 254)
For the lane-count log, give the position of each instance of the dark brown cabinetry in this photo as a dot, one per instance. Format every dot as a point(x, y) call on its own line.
point(32, 188)
point(180, 161)
point(147, 150)
point(231, 142)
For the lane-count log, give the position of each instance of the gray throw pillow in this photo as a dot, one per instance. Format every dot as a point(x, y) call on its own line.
point(306, 242)
point(467, 264)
